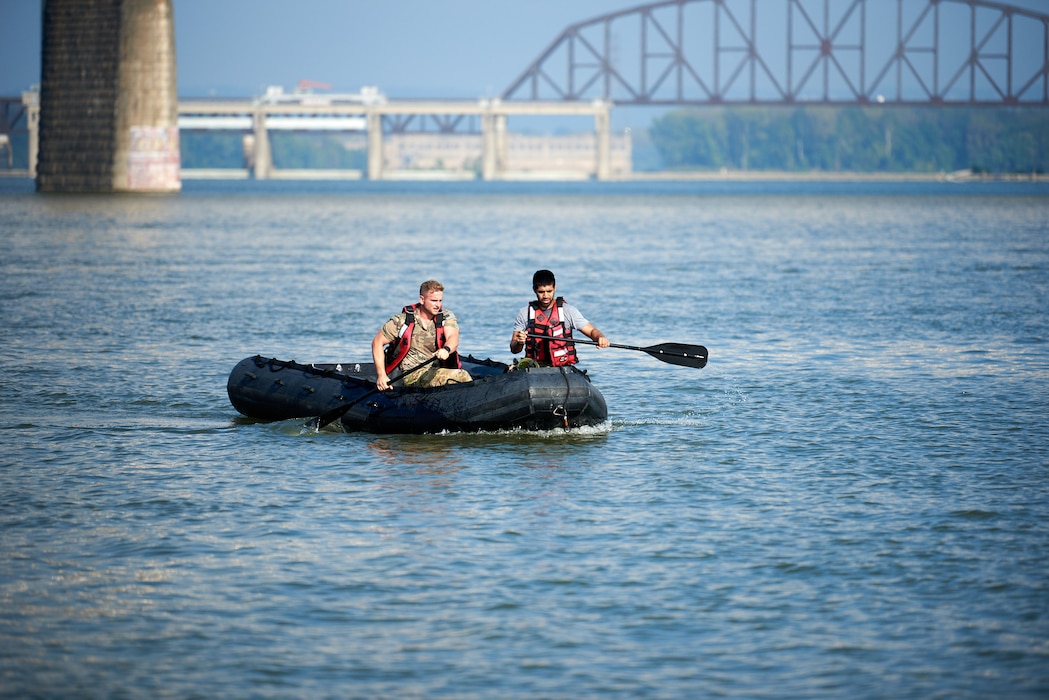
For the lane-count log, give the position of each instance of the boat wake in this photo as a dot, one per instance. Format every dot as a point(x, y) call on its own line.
point(305, 427)
point(679, 422)
point(700, 417)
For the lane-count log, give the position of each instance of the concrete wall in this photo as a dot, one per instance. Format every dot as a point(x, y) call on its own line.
point(523, 155)
point(108, 97)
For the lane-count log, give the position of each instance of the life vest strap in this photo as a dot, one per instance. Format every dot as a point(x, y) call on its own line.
point(557, 352)
point(398, 348)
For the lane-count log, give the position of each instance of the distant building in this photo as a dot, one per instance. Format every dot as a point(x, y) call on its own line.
point(535, 156)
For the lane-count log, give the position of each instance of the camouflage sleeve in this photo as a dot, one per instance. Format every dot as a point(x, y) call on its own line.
point(393, 326)
point(450, 321)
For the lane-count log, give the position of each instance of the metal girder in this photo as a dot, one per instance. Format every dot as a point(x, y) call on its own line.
point(840, 52)
point(429, 123)
point(12, 115)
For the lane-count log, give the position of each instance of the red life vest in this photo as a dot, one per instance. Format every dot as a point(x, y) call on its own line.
point(553, 352)
point(398, 348)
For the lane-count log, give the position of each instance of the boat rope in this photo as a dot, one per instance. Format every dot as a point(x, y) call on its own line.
point(275, 365)
point(562, 410)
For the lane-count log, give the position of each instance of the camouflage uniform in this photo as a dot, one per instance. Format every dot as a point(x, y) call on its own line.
point(422, 348)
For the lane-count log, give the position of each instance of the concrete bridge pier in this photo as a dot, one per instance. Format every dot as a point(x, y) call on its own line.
point(502, 157)
point(603, 133)
point(31, 101)
point(262, 156)
point(374, 145)
point(494, 156)
point(108, 97)
point(487, 146)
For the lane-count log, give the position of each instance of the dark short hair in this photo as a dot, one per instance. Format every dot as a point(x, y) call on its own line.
point(541, 278)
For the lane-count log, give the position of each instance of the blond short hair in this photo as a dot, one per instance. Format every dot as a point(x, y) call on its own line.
point(430, 286)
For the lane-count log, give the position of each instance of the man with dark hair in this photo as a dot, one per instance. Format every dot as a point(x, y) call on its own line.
point(550, 315)
point(419, 332)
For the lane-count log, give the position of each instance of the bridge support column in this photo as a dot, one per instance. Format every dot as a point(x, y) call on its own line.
point(487, 144)
point(603, 133)
point(108, 97)
point(263, 156)
point(493, 141)
point(500, 144)
point(375, 155)
point(31, 101)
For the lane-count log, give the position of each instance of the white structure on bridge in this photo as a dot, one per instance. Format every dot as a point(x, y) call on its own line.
point(501, 155)
point(192, 112)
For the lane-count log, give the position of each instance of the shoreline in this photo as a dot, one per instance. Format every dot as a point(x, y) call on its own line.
point(958, 176)
point(823, 176)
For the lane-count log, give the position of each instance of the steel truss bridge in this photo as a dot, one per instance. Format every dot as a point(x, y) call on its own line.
point(783, 52)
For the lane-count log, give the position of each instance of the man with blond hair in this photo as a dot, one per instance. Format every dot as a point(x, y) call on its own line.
point(418, 333)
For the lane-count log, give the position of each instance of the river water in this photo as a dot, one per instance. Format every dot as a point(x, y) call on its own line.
point(851, 499)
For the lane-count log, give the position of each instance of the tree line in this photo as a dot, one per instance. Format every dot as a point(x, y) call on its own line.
point(855, 139)
point(217, 149)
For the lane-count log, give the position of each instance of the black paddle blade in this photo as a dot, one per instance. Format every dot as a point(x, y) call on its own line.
point(673, 353)
point(679, 354)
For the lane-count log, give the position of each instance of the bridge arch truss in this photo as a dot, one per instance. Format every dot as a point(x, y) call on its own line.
point(835, 52)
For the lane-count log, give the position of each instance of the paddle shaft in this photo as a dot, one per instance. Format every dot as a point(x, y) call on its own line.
point(339, 412)
point(587, 342)
point(672, 353)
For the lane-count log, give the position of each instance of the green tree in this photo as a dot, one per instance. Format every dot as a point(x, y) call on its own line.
point(211, 149)
point(877, 139)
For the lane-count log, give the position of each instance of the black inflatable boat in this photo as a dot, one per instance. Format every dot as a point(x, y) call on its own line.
point(530, 399)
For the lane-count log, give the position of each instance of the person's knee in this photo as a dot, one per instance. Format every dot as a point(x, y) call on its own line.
point(459, 376)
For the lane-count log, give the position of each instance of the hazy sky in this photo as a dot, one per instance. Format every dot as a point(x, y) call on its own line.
point(408, 48)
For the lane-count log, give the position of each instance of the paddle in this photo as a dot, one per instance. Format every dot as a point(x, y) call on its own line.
point(337, 413)
point(671, 353)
